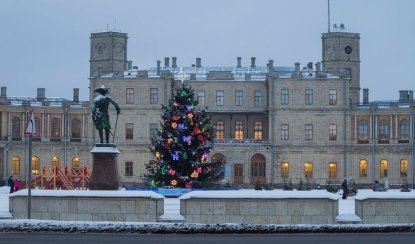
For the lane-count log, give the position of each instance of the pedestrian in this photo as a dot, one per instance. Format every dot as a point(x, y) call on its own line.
point(344, 186)
point(11, 183)
point(16, 184)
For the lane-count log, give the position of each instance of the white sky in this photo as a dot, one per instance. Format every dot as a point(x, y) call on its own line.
point(45, 43)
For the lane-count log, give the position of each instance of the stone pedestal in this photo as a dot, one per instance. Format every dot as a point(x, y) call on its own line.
point(104, 169)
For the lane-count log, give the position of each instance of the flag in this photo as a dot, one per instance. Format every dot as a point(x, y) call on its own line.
point(30, 128)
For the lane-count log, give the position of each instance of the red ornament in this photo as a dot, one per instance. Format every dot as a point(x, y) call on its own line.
point(200, 137)
point(176, 104)
point(188, 185)
point(174, 117)
point(196, 130)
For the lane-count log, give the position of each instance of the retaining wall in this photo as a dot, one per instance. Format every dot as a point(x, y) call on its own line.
point(88, 205)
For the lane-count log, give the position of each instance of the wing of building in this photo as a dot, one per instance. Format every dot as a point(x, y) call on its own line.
point(273, 124)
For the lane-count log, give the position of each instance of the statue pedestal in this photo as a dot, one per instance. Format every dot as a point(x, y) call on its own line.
point(104, 169)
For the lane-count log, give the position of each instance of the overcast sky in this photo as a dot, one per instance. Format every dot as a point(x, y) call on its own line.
point(45, 43)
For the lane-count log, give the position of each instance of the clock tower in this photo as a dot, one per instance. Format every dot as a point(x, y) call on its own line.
point(341, 56)
point(108, 53)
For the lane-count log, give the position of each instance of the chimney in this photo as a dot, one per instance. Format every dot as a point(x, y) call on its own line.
point(76, 95)
point(129, 64)
point(238, 62)
point(40, 94)
point(253, 62)
point(403, 96)
point(3, 91)
point(158, 67)
point(174, 62)
point(198, 62)
point(310, 66)
point(365, 96)
point(166, 61)
point(411, 96)
point(318, 66)
point(271, 64)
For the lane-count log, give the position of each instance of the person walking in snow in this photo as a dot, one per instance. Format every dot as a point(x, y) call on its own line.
point(11, 183)
point(344, 186)
point(16, 184)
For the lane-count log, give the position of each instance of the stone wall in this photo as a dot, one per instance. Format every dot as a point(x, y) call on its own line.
point(270, 208)
point(385, 211)
point(88, 205)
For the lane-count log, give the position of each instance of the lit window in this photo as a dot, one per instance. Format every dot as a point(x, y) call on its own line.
point(332, 169)
point(219, 134)
point(129, 96)
point(35, 165)
point(383, 168)
point(258, 130)
point(308, 170)
point(15, 165)
point(363, 168)
point(55, 161)
point(284, 170)
point(76, 162)
point(332, 96)
point(239, 134)
point(404, 168)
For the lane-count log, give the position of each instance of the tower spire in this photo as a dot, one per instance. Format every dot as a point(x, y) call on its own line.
point(328, 15)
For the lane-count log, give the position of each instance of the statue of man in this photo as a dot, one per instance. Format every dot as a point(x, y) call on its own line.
point(100, 114)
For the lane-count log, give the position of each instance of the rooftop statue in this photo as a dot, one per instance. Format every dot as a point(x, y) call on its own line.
point(100, 114)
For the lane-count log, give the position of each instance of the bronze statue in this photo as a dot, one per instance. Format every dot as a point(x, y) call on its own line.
point(100, 114)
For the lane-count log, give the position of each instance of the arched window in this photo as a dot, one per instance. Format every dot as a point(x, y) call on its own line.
point(15, 165)
point(258, 130)
point(239, 134)
point(76, 162)
point(16, 130)
point(363, 168)
point(404, 130)
point(37, 127)
point(383, 168)
point(362, 130)
point(383, 129)
point(404, 168)
point(55, 161)
point(308, 170)
point(76, 128)
point(35, 165)
point(56, 128)
point(258, 169)
point(219, 131)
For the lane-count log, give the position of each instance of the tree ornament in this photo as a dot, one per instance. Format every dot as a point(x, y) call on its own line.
point(176, 104)
point(175, 117)
point(196, 130)
point(200, 137)
point(173, 182)
point(163, 171)
point(175, 156)
point(174, 125)
point(199, 169)
point(188, 185)
point(170, 140)
point(188, 108)
point(158, 155)
point(194, 174)
point(153, 183)
point(190, 115)
point(184, 155)
point(181, 126)
point(187, 139)
point(172, 171)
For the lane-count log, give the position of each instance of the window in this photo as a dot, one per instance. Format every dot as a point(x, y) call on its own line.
point(219, 98)
point(15, 165)
point(383, 129)
point(308, 96)
point(284, 97)
point(219, 134)
point(154, 95)
point(308, 170)
point(76, 162)
point(37, 127)
point(153, 131)
point(362, 130)
point(258, 130)
point(238, 173)
point(16, 131)
point(363, 168)
point(239, 134)
point(201, 97)
point(383, 168)
point(129, 131)
point(55, 161)
point(129, 96)
point(404, 168)
point(285, 132)
point(258, 169)
point(404, 130)
point(128, 168)
point(332, 96)
point(35, 165)
point(308, 132)
point(258, 98)
point(239, 97)
point(332, 132)
point(75, 128)
point(284, 170)
point(56, 128)
point(332, 170)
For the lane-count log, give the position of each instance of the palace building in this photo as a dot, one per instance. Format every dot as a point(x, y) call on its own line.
point(272, 124)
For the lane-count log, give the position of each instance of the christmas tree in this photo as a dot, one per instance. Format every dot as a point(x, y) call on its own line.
point(182, 146)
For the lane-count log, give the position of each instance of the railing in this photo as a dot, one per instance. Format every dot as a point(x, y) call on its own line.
point(244, 141)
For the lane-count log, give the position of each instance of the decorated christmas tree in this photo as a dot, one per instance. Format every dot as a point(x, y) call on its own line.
point(182, 147)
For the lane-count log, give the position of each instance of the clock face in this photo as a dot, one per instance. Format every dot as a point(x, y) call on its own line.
point(100, 47)
point(348, 49)
point(119, 48)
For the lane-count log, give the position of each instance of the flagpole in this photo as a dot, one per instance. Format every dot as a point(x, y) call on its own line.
point(29, 190)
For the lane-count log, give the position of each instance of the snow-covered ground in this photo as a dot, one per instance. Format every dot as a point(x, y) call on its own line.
point(172, 218)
